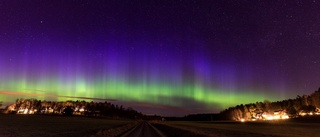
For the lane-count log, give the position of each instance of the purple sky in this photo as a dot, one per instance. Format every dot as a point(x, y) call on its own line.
point(269, 48)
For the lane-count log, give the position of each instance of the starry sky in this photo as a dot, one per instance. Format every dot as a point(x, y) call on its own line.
point(160, 57)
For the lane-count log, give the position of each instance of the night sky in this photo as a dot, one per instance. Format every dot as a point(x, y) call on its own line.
point(160, 57)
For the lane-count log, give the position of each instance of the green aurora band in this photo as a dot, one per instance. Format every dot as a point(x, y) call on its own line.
point(154, 93)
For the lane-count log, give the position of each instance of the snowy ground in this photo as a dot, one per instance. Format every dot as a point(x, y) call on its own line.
point(54, 126)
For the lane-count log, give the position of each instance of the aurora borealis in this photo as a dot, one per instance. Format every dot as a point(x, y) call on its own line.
point(168, 58)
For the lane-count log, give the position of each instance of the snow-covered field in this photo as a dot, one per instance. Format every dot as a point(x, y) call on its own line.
point(54, 126)
point(57, 126)
point(304, 127)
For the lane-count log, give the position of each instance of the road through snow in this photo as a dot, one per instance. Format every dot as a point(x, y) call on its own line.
point(144, 129)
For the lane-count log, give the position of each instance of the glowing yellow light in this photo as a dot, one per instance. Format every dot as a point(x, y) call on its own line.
point(242, 120)
point(303, 114)
point(276, 117)
point(285, 117)
point(269, 117)
point(25, 111)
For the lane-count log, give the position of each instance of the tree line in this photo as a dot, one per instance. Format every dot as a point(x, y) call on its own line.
point(293, 107)
point(34, 106)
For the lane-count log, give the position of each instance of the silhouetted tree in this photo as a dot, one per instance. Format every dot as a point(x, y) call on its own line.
point(68, 111)
point(308, 108)
point(291, 106)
